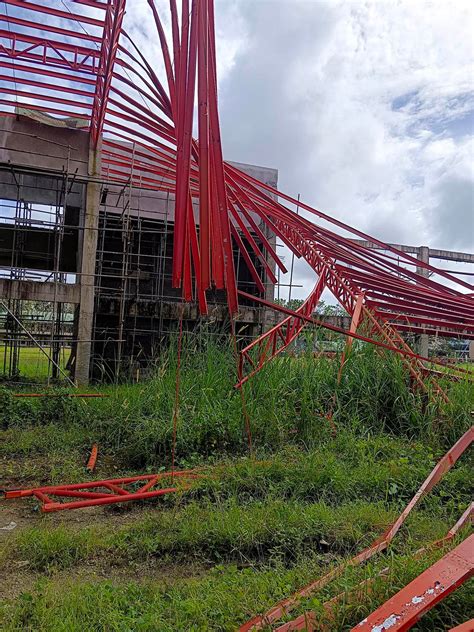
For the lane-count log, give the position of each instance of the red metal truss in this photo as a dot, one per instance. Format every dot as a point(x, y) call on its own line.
point(244, 202)
point(390, 340)
point(285, 606)
point(110, 38)
point(105, 492)
point(278, 338)
point(309, 620)
point(147, 124)
point(405, 608)
point(72, 51)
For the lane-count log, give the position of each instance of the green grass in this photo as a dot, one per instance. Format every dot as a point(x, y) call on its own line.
point(33, 364)
point(286, 403)
point(258, 528)
point(226, 532)
point(219, 600)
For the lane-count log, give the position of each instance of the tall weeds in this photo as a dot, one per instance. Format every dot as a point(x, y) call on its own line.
point(287, 402)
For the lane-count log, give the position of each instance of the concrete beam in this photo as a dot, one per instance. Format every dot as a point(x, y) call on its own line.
point(434, 253)
point(423, 340)
point(39, 291)
point(451, 255)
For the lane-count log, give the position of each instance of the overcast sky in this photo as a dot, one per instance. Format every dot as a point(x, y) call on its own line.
point(365, 108)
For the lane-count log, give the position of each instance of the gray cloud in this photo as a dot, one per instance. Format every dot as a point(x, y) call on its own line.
point(363, 107)
point(452, 219)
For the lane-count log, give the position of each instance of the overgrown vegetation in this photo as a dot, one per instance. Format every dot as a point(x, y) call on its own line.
point(254, 530)
point(287, 403)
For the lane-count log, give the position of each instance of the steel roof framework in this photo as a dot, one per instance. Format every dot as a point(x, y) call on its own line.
point(80, 62)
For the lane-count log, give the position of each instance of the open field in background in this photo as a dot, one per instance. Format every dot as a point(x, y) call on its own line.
point(253, 531)
point(33, 363)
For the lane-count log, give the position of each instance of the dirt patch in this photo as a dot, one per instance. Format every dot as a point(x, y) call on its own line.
point(19, 579)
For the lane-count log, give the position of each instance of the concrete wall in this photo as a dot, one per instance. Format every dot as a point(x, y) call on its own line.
point(29, 143)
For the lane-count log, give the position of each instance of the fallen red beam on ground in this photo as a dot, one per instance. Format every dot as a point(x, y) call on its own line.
point(405, 608)
point(60, 395)
point(286, 605)
point(116, 491)
point(93, 458)
point(308, 620)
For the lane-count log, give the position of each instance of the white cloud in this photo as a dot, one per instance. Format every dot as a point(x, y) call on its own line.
point(362, 106)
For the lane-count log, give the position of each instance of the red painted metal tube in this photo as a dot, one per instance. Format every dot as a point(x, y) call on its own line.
point(286, 605)
point(12, 19)
point(64, 15)
point(405, 608)
point(35, 68)
point(309, 618)
point(106, 500)
point(91, 463)
point(23, 493)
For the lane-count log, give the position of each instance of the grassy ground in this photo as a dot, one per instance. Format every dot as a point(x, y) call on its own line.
point(247, 534)
point(33, 363)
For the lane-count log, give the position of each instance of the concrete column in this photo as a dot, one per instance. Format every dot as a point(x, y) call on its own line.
point(87, 270)
point(423, 339)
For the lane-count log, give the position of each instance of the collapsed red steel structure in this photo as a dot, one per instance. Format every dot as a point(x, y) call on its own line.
point(81, 63)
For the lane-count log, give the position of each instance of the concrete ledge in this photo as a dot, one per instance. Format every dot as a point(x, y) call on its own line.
point(39, 291)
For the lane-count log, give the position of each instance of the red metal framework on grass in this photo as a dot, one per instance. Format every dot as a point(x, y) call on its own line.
point(285, 606)
point(403, 610)
point(105, 492)
point(310, 621)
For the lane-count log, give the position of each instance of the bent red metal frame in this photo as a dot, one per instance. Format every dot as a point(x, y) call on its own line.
point(285, 606)
point(81, 63)
point(87, 53)
point(105, 492)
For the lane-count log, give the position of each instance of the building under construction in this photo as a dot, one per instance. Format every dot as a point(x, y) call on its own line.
point(117, 223)
point(86, 263)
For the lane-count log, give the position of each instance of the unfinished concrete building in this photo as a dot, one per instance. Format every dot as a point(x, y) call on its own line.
point(96, 254)
point(93, 144)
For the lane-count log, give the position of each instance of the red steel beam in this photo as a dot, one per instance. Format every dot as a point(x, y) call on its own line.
point(286, 605)
point(279, 337)
point(58, 13)
point(309, 619)
point(90, 496)
point(404, 609)
point(468, 626)
point(108, 53)
point(11, 19)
